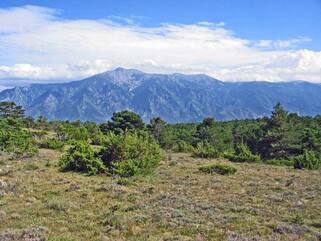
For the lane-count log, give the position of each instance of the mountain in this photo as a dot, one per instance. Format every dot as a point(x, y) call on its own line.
point(174, 97)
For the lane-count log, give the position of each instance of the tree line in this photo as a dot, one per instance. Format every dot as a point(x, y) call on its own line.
point(126, 145)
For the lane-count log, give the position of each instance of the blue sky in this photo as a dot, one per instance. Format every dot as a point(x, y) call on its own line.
point(251, 19)
point(263, 40)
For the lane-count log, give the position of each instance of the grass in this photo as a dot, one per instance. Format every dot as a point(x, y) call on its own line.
point(178, 202)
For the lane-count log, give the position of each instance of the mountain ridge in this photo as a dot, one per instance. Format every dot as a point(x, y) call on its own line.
point(174, 97)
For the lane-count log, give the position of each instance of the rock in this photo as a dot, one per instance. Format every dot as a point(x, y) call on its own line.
point(3, 185)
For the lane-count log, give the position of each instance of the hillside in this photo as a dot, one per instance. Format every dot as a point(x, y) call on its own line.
point(175, 97)
point(259, 202)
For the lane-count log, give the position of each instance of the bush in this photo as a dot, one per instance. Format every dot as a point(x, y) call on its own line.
point(182, 147)
point(52, 144)
point(244, 154)
point(130, 154)
point(81, 157)
point(218, 168)
point(15, 140)
point(281, 162)
point(309, 160)
point(205, 150)
point(98, 139)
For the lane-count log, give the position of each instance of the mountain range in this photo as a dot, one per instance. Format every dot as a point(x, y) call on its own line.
point(173, 97)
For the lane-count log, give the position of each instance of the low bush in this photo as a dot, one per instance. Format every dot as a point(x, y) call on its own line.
point(98, 139)
point(244, 154)
point(15, 140)
point(219, 168)
point(205, 150)
point(182, 147)
point(130, 154)
point(81, 157)
point(309, 160)
point(281, 162)
point(52, 144)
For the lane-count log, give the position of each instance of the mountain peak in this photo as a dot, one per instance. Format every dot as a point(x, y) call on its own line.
point(174, 97)
point(125, 70)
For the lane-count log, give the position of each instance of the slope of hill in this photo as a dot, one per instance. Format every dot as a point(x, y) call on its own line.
point(175, 97)
point(259, 202)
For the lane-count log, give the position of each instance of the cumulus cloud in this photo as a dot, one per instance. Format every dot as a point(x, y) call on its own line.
point(36, 45)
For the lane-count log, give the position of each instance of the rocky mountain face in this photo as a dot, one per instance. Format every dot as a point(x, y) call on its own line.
point(174, 97)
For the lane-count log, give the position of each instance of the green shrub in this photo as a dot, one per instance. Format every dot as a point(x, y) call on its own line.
point(72, 132)
point(309, 160)
point(218, 168)
point(182, 147)
point(98, 139)
point(281, 162)
point(15, 140)
point(244, 154)
point(205, 150)
point(130, 154)
point(81, 157)
point(52, 144)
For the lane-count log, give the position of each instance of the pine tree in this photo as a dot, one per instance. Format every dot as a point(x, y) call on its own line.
point(9, 109)
point(279, 139)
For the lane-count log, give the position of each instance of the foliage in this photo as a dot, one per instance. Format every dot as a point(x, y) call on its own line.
point(205, 150)
point(72, 132)
point(81, 157)
point(98, 139)
point(157, 128)
point(309, 160)
point(9, 109)
point(284, 162)
point(130, 154)
point(208, 132)
point(122, 122)
point(182, 147)
point(175, 133)
point(279, 140)
point(52, 143)
point(15, 140)
point(244, 154)
point(219, 168)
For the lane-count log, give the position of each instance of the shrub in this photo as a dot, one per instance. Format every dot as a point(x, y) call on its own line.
point(281, 162)
point(52, 144)
point(182, 147)
point(98, 139)
point(15, 140)
point(218, 168)
point(205, 150)
point(309, 160)
point(81, 157)
point(244, 154)
point(130, 154)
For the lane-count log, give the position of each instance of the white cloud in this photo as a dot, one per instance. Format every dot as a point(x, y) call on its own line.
point(282, 44)
point(36, 44)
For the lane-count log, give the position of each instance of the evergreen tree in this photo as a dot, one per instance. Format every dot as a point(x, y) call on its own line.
point(157, 128)
point(208, 132)
point(9, 109)
point(123, 121)
point(279, 139)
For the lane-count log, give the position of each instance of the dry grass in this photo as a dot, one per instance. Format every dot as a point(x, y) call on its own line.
point(179, 202)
